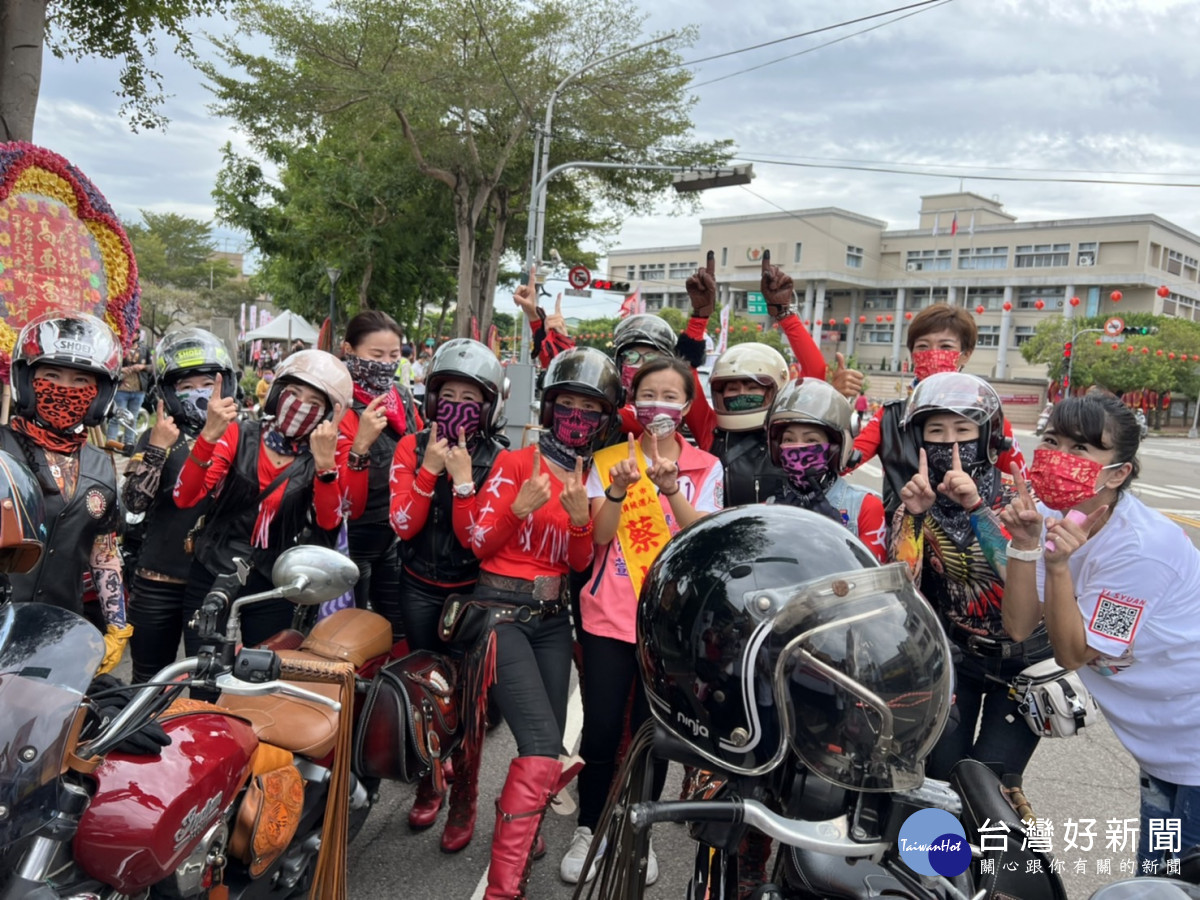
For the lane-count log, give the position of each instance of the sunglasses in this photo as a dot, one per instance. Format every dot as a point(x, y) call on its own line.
point(640, 357)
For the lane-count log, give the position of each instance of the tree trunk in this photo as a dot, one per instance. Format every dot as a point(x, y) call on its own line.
point(364, 284)
point(442, 317)
point(22, 31)
point(464, 223)
point(490, 267)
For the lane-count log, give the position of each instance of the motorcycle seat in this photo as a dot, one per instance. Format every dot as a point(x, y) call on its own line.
point(301, 726)
point(350, 635)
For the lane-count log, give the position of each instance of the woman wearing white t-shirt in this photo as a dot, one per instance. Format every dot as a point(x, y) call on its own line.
point(1119, 587)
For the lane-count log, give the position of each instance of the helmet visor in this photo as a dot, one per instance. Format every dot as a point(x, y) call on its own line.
point(863, 677)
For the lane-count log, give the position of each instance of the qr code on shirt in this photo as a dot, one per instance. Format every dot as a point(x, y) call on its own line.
point(1115, 618)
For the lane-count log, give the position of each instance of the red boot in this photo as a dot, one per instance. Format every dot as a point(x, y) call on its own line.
point(464, 793)
point(531, 782)
point(425, 806)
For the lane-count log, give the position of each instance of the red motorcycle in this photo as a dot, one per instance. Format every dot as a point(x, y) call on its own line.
point(253, 797)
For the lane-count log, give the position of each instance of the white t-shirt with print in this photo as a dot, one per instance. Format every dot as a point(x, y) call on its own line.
point(1137, 583)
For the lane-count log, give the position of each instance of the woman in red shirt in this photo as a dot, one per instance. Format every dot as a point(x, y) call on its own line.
point(270, 483)
point(531, 528)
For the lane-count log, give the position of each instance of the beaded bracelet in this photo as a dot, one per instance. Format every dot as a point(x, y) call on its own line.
point(581, 530)
point(427, 494)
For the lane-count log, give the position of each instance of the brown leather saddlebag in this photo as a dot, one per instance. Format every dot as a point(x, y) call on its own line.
point(410, 721)
point(268, 818)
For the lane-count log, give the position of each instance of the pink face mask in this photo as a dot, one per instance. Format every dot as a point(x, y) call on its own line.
point(576, 427)
point(660, 419)
point(933, 362)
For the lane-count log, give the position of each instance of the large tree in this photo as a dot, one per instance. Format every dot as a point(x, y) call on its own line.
point(460, 83)
point(77, 29)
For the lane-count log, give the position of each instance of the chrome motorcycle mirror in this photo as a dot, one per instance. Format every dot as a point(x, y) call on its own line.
point(309, 575)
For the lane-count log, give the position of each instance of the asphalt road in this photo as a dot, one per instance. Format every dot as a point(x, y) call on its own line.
point(1086, 777)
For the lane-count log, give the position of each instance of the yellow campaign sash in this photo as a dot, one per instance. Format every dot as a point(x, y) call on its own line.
point(643, 530)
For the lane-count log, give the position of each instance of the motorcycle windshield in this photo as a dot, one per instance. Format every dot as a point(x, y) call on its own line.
point(48, 657)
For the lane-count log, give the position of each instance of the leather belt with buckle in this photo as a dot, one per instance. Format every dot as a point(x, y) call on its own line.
point(985, 646)
point(543, 589)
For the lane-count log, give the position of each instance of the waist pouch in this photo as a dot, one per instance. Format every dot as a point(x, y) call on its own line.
point(410, 720)
point(1053, 700)
point(466, 620)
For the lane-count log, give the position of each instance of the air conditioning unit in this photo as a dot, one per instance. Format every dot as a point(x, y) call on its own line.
point(913, 267)
point(1086, 259)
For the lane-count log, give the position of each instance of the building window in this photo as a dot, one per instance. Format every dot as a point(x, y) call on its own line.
point(1023, 333)
point(990, 298)
point(1041, 256)
point(652, 272)
point(653, 301)
point(631, 273)
point(796, 253)
point(682, 271)
point(875, 334)
point(1174, 262)
point(881, 299)
point(1050, 295)
point(1086, 253)
point(724, 257)
point(925, 297)
point(854, 257)
point(983, 258)
point(928, 261)
point(989, 336)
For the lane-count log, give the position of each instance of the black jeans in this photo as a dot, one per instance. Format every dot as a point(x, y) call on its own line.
point(421, 609)
point(156, 612)
point(376, 551)
point(533, 675)
point(1005, 743)
point(612, 671)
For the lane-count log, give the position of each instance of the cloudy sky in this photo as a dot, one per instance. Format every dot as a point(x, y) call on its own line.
point(1024, 89)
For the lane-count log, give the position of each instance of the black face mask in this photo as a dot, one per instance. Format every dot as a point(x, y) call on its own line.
point(955, 520)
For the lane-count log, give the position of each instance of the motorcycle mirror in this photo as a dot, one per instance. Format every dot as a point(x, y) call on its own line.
point(309, 575)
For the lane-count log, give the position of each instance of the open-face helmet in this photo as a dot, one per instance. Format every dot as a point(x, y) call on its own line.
point(812, 401)
point(317, 369)
point(766, 628)
point(585, 371)
point(191, 351)
point(965, 395)
point(22, 517)
point(75, 341)
point(753, 362)
point(463, 359)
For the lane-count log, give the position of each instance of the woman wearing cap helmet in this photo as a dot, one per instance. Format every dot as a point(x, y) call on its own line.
point(270, 481)
point(380, 414)
point(64, 377)
point(186, 364)
point(808, 433)
point(948, 531)
point(464, 400)
point(530, 526)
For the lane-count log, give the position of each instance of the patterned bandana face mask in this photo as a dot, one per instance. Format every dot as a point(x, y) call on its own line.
point(194, 403)
point(458, 417)
point(744, 402)
point(1062, 480)
point(806, 464)
point(296, 419)
point(933, 362)
point(373, 375)
point(575, 428)
point(62, 408)
point(660, 419)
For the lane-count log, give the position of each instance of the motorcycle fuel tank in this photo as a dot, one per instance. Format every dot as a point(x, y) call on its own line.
point(149, 812)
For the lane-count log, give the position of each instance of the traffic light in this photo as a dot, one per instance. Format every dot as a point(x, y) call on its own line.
point(1067, 350)
point(603, 284)
point(1141, 329)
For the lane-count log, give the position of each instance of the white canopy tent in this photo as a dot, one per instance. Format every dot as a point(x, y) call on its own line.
point(287, 326)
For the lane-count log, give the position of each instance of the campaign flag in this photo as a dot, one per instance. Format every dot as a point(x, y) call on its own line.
point(971, 227)
point(242, 323)
point(954, 225)
point(629, 306)
point(935, 225)
point(493, 339)
point(723, 336)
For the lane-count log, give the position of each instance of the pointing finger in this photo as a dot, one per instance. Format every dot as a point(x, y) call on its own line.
point(160, 408)
point(537, 461)
point(1022, 488)
point(923, 467)
point(433, 432)
point(710, 263)
point(632, 448)
point(217, 385)
point(462, 438)
point(338, 412)
point(956, 465)
point(766, 262)
point(558, 305)
point(1088, 523)
point(533, 275)
point(579, 470)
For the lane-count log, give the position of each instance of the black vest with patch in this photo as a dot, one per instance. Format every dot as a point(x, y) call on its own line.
point(229, 525)
point(72, 526)
point(435, 554)
point(750, 476)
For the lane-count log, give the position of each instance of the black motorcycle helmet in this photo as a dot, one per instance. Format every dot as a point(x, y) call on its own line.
point(643, 328)
point(22, 517)
point(763, 628)
point(586, 371)
point(75, 341)
point(466, 360)
point(190, 351)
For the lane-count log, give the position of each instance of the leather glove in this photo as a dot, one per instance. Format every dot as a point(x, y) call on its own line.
point(115, 639)
point(147, 740)
point(702, 288)
point(777, 288)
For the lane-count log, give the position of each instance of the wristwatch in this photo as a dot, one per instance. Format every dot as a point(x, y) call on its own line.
point(1025, 555)
point(463, 491)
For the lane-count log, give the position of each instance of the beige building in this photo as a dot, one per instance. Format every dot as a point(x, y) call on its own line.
point(966, 250)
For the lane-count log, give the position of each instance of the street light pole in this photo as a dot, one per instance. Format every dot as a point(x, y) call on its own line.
point(334, 274)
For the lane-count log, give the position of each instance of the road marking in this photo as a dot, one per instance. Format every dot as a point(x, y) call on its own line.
point(1191, 522)
point(1174, 491)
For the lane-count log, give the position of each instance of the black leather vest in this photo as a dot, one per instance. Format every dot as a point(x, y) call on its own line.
point(750, 476)
point(72, 526)
point(435, 554)
point(229, 525)
point(163, 532)
point(379, 471)
point(899, 455)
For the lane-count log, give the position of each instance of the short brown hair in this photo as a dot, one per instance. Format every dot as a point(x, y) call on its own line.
point(942, 317)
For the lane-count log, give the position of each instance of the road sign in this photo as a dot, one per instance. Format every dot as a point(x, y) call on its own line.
point(579, 277)
point(576, 292)
point(1114, 326)
point(756, 303)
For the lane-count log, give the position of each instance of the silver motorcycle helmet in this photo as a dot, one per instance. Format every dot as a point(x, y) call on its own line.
point(463, 359)
point(74, 341)
point(813, 402)
point(966, 395)
point(764, 630)
point(319, 370)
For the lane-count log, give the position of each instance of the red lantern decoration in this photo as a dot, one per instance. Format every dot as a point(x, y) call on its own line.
point(833, 323)
point(760, 326)
point(1115, 346)
point(745, 328)
point(879, 318)
point(1115, 296)
point(1007, 306)
point(1128, 349)
point(979, 310)
point(1164, 291)
point(908, 316)
point(1145, 351)
point(862, 320)
point(1099, 341)
point(1158, 353)
point(1039, 303)
point(846, 321)
point(1171, 355)
point(889, 318)
point(1074, 301)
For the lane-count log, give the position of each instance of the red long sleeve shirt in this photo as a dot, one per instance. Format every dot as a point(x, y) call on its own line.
point(197, 481)
point(409, 508)
point(525, 548)
point(354, 483)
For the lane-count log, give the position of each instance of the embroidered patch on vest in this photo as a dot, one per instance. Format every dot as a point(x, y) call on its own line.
point(95, 503)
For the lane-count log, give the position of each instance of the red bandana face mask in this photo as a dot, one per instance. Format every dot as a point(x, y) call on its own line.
point(933, 362)
point(62, 407)
point(297, 419)
point(1062, 480)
